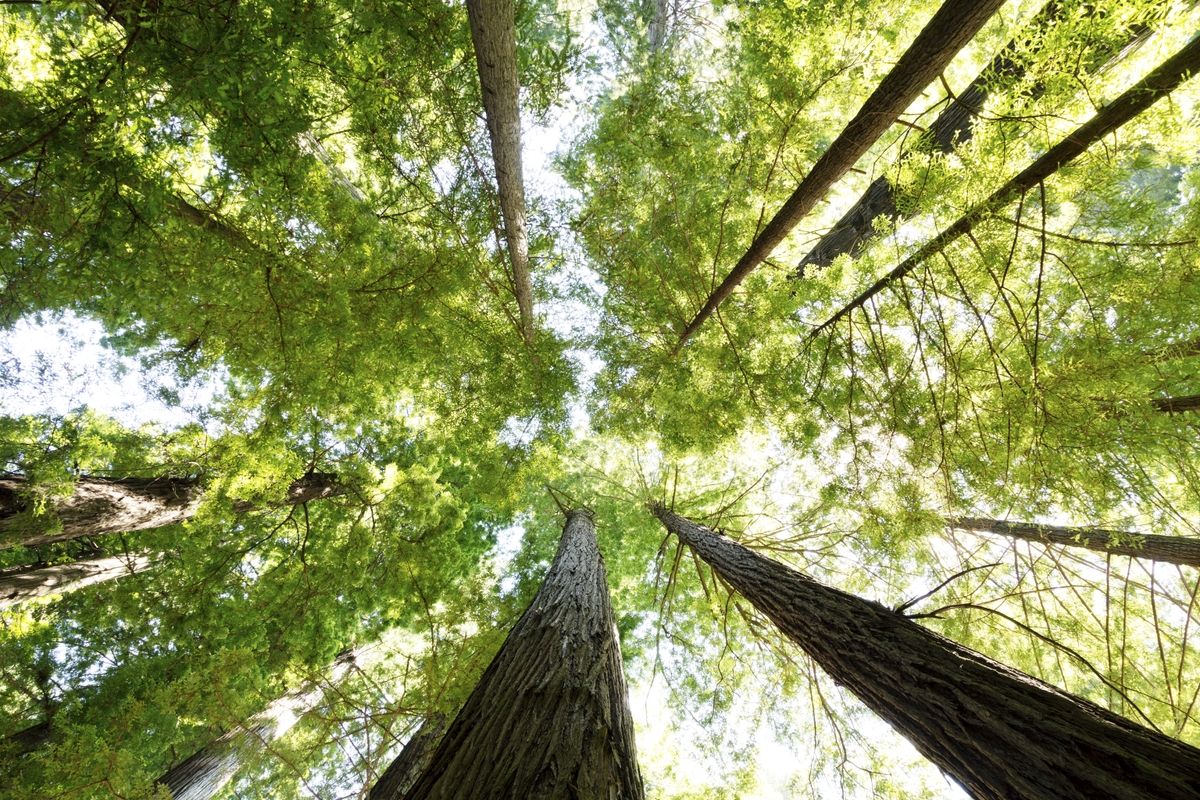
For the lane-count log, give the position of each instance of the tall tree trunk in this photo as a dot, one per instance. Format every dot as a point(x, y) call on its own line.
point(1159, 83)
point(1001, 734)
point(549, 718)
point(109, 505)
point(1170, 549)
point(952, 127)
point(494, 33)
point(954, 24)
point(206, 772)
point(1172, 405)
point(26, 584)
point(26, 740)
point(412, 762)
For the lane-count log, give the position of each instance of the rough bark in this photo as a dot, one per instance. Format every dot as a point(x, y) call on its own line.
point(1134, 101)
point(206, 772)
point(20, 586)
point(1001, 734)
point(412, 761)
point(954, 24)
point(109, 505)
point(494, 34)
point(549, 718)
point(952, 127)
point(1183, 550)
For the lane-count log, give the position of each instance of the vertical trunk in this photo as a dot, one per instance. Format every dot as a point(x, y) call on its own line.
point(549, 718)
point(412, 761)
point(1159, 83)
point(205, 773)
point(952, 127)
point(110, 505)
point(1170, 549)
point(494, 33)
point(26, 584)
point(657, 31)
point(954, 24)
point(1000, 733)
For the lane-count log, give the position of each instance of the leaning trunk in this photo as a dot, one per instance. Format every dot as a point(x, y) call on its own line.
point(204, 774)
point(1170, 549)
point(29, 583)
point(109, 505)
point(412, 761)
point(1000, 733)
point(549, 718)
point(493, 31)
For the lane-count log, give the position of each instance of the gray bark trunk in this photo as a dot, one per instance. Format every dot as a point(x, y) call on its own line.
point(954, 24)
point(494, 34)
point(1001, 734)
point(204, 774)
point(549, 718)
point(110, 505)
point(1169, 549)
point(20, 586)
point(1134, 101)
point(411, 763)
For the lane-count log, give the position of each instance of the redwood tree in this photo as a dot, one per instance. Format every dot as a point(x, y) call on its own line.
point(26, 583)
point(549, 717)
point(1000, 733)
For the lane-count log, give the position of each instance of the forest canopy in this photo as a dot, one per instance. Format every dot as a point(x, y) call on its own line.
point(679, 399)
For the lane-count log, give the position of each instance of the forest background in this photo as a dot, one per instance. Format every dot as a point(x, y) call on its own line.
point(287, 220)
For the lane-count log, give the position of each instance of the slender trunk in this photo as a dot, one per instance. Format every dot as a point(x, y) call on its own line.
point(412, 762)
point(494, 33)
point(952, 127)
point(206, 772)
point(1137, 99)
point(954, 24)
point(26, 584)
point(1001, 734)
point(657, 30)
point(549, 718)
point(109, 505)
point(1183, 550)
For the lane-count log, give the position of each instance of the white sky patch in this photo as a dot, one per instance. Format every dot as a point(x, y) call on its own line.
point(59, 363)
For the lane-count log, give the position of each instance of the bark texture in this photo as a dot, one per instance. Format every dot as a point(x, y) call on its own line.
point(111, 505)
point(954, 24)
point(205, 773)
point(1001, 734)
point(412, 761)
point(952, 127)
point(23, 585)
point(494, 34)
point(1134, 101)
point(549, 718)
point(1170, 549)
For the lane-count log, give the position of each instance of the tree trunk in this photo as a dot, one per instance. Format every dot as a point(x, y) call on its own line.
point(494, 33)
point(412, 761)
point(549, 718)
point(954, 24)
point(952, 127)
point(205, 773)
point(1134, 101)
point(26, 584)
point(110, 505)
point(1001, 734)
point(1183, 550)
point(1171, 405)
point(26, 740)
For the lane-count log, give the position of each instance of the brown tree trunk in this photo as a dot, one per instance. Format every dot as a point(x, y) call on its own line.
point(26, 740)
point(549, 718)
point(110, 505)
point(1170, 549)
point(952, 127)
point(1001, 734)
point(494, 33)
point(1134, 101)
point(204, 774)
point(1172, 405)
point(412, 761)
point(26, 584)
point(954, 24)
